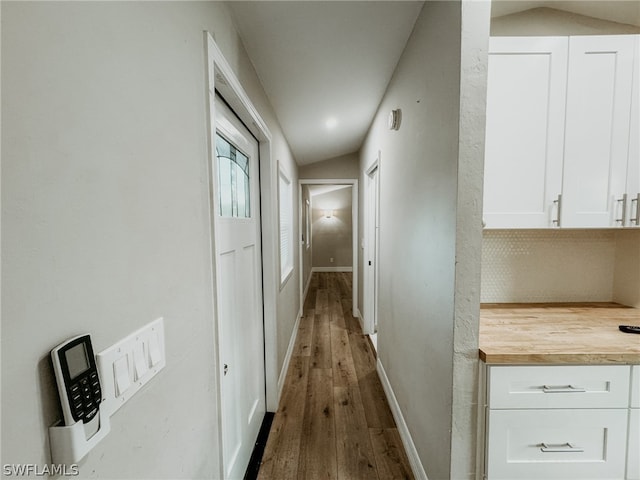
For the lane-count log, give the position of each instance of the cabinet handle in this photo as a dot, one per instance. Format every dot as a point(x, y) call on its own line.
point(562, 389)
point(623, 219)
point(636, 219)
point(559, 448)
point(558, 202)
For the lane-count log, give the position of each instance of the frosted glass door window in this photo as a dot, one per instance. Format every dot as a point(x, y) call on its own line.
point(233, 180)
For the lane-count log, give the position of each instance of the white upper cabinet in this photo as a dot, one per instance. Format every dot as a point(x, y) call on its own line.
point(562, 146)
point(599, 91)
point(526, 92)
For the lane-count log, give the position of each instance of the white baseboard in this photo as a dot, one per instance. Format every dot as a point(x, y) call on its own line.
point(357, 314)
point(403, 430)
point(332, 269)
point(287, 357)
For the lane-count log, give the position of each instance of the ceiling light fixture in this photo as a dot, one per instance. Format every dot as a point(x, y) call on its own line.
point(331, 123)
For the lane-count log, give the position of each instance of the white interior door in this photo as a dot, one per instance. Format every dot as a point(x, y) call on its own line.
point(371, 253)
point(239, 289)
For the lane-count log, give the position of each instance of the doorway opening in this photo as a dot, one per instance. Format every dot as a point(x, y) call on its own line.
point(328, 219)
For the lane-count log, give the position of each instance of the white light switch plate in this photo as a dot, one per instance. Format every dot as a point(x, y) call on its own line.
point(145, 357)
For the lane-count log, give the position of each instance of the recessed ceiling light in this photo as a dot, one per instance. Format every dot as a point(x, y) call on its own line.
point(331, 123)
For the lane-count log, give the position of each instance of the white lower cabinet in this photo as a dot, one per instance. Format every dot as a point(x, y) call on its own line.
point(561, 423)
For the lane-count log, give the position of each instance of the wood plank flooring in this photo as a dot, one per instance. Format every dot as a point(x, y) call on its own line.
point(334, 421)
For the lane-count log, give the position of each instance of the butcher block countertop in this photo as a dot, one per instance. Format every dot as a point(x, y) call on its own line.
point(558, 333)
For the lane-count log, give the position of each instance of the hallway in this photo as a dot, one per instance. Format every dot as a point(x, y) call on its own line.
point(333, 421)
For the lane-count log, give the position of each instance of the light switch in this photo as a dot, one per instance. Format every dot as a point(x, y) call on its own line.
point(154, 350)
point(121, 375)
point(140, 366)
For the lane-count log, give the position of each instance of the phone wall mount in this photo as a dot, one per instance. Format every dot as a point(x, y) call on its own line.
point(69, 443)
point(84, 423)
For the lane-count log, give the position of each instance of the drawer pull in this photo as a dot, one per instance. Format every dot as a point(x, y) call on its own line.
point(559, 448)
point(562, 389)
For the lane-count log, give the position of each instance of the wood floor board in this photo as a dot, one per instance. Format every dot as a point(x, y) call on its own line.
point(344, 371)
point(364, 359)
point(322, 301)
point(356, 459)
point(304, 339)
point(375, 402)
point(336, 316)
point(318, 444)
point(321, 342)
point(391, 461)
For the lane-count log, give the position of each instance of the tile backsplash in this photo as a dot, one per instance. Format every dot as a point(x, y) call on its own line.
point(548, 266)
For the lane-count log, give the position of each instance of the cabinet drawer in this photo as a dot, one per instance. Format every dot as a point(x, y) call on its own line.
point(556, 444)
point(590, 386)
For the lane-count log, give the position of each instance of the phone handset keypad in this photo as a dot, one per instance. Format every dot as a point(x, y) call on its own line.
point(85, 397)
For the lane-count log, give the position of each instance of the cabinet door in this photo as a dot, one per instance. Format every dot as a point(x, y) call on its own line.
point(526, 90)
point(632, 216)
point(597, 129)
point(633, 447)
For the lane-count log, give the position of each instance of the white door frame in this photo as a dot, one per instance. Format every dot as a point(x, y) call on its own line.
point(220, 77)
point(354, 218)
point(369, 318)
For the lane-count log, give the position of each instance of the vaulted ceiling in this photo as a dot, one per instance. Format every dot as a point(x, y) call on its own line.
point(326, 64)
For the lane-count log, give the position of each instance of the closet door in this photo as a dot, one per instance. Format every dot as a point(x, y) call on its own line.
point(526, 93)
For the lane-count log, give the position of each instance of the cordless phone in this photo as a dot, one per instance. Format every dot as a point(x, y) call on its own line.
point(78, 383)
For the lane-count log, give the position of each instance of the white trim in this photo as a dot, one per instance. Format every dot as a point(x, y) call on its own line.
point(220, 76)
point(332, 269)
point(354, 216)
point(403, 429)
point(288, 355)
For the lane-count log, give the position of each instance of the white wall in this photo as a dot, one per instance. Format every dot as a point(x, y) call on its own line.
point(345, 166)
point(549, 21)
point(419, 222)
point(105, 219)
